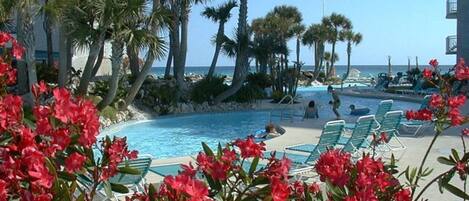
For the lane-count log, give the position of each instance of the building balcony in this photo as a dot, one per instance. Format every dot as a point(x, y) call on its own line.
point(451, 9)
point(451, 45)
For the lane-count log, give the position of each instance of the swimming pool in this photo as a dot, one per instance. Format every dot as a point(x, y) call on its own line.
point(181, 135)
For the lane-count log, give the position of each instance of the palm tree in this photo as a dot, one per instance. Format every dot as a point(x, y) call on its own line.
point(26, 12)
point(336, 23)
point(126, 15)
point(242, 54)
point(298, 31)
point(157, 20)
point(315, 37)
point(47, 26)
point(352, 39)
point(330, 59)
point(220, 14)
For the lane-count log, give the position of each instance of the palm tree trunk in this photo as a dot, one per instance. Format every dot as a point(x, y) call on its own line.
point(242, 61)
point(22, 68)
point(29, 42)
point(178, 71)
point(134, 64)
point(98, 63)
point(146, 66)
point(181, 56)
point(219, 42)
point(116, 60)
point(48, 29)
point(298, 51)
point(95, 47)
point(63, 67)
point(349, 52)
point(329, 74)
point(169, 62)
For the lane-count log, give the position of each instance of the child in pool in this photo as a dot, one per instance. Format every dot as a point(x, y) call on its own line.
point(311, 111)
point(271, 131)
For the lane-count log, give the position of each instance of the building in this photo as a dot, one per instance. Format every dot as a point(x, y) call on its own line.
point(458, 44)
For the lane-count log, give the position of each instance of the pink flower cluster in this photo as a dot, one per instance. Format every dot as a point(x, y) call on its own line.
point(365, 180)
point(461, 70)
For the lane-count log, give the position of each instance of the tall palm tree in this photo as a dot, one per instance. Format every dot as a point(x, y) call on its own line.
point(125, 17)
point(88, 24)
point(242, 54)
point(315, 37)
point(351, 38)
point(298, 31)
point(336, 23)
point(26, 12)
point(330, 58)
point(47, 26)
point(220, 14)
point(148, 32)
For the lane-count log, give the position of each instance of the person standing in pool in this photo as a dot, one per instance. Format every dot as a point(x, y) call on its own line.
point(335, 101)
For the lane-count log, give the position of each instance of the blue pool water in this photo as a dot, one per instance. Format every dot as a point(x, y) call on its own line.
point(181, 135)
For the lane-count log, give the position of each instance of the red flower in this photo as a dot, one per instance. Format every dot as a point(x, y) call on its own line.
point(61, 138)
point(314, 188)
point(436, 101)
point(39, 89)
point(3, 190)
point(279, 168)
point(334, 166)
point(280, 190)
point(18, 50)
point(461, 167)
point(455, 116)
point(422, 115)
point(403, 195)
point(456, 101)
point(461, 71)
point(188, 170)
point(433, 63)
point(74, 162)
point(4, 38)
point(299, 188)
point(427, 73)
point(249, 148)
point(465, 132)
point(228, 156)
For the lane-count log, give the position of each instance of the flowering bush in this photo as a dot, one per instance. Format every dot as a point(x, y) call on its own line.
point(44, 152)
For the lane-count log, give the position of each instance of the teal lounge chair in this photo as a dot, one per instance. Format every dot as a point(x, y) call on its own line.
point(415, 123)
point(390, 126)
point(175, 168)
point(383, 107)
point(359, 139)
point(329, 137)
point(133, 182)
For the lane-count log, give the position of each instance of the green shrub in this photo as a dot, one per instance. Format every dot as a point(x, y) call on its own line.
point(109, 113)
point(49, 75)
point(247, 94)
point(277, 96)
point(260, 80)
point(207, 89)
point(102, 87)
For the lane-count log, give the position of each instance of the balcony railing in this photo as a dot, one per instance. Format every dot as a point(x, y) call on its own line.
point(451, 45)
point(451, 9)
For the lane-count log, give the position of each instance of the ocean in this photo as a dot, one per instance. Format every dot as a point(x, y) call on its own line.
point(365, 70)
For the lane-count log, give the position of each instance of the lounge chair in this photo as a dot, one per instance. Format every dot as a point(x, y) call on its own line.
point(329, 137)
point(390, 126)
point(133, 182)
point(416, 123)
point(174, 169)
point(360, 134)
point(383, 107)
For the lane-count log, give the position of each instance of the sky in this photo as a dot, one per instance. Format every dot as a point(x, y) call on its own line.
point(399, 28)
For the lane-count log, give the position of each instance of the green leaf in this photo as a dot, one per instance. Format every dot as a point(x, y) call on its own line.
point(119, 188)
point(207, 149)
point(81, 197)
point(455, 154)
point(6, 140)
point(66, 176)
point(151, 192)
point(446, 161)
point(129, 170)
point(260, 181)
point(465, 157)
point(253, 165)
point(214, 185)
point(456, 191)
point(427, 172)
